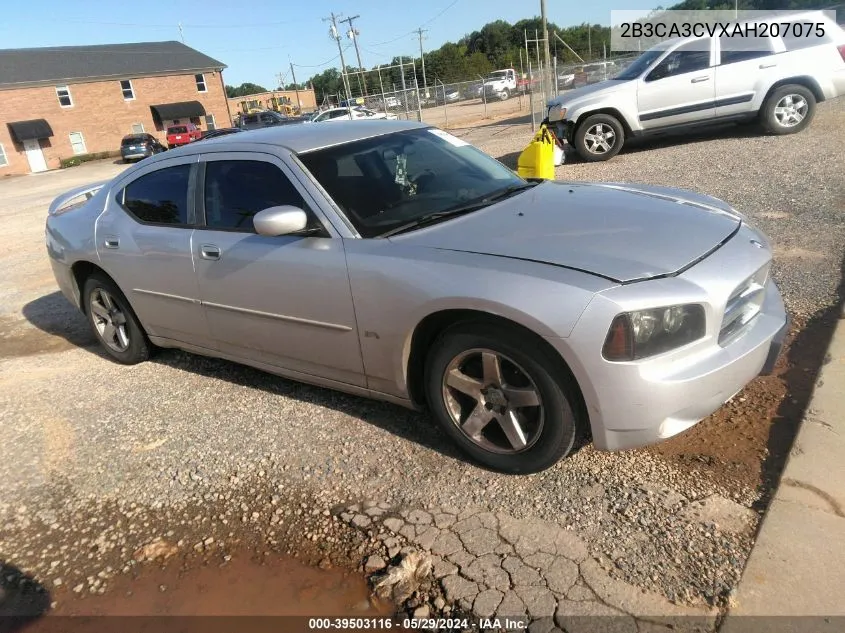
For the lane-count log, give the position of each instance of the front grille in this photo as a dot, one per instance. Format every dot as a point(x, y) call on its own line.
point(743, 305)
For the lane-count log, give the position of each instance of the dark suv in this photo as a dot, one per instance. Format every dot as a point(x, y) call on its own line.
point(138, 146)
point(265, 119)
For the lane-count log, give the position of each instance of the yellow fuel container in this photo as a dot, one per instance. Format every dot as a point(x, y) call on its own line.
point(538, 159)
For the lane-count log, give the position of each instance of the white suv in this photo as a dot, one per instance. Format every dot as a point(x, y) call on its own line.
point(698, 81)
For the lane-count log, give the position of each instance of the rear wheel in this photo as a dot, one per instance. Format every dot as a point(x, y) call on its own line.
point(788, 110)
point(500, 397)
point(599, 137)
point(113, 321)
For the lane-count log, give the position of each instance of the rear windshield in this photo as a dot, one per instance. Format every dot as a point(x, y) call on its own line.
point(132, 140)
point(179, 129)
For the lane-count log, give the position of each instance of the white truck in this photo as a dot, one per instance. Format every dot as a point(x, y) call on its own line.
point(501, 83)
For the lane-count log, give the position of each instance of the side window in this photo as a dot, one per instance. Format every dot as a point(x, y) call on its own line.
point(160, 197)
point(251, 118)
point(797, 35)
point(740, 49)
point(235, 190)
point(267, 118)
point(689, 58)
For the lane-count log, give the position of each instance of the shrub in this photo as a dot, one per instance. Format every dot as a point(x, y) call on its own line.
point(84, 158)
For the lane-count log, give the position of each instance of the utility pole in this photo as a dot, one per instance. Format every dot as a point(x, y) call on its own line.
point(335, 35)
point(545, 35)
point(420, 32)
point(295, 85)
point(353, 35)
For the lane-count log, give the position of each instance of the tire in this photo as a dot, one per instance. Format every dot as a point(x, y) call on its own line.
point(128, 344)
point(587, 144)
point(547, 430)
point(504, 95)
point(776, 116)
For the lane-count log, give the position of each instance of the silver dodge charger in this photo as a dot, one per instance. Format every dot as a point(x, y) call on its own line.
point(395, 261)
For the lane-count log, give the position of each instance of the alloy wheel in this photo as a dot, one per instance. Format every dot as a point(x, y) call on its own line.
point(600, 138)
point(109, 320)
point(493, 401)
point(791, 110)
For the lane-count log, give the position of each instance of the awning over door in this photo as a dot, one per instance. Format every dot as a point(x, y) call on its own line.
point(26, 130)
point(181, 110)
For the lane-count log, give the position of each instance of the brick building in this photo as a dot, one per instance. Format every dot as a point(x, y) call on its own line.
point(56, 103)
point(307, 99)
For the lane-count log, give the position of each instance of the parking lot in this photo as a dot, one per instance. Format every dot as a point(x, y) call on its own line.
point(98, 458)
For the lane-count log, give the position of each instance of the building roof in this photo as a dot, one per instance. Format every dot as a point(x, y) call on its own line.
point(21, 67)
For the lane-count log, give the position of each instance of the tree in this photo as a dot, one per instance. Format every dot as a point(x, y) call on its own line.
point(243, 90)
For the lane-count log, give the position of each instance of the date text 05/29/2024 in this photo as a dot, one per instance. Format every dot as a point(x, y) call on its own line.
point(427, 624)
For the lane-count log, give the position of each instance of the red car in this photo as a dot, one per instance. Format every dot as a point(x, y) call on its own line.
point(182, 134)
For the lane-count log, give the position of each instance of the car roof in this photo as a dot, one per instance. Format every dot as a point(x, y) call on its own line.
point(305, 137)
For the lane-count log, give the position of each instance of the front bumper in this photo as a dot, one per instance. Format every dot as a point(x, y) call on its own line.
point(637, 403)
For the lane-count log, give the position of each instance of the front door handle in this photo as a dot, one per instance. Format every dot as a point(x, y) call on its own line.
point(210, 251)
point(763, 66)
point(698, 80)
point(111, 242)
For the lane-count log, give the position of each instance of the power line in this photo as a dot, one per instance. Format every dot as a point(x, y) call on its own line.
point(328, 61)
point(441, 13)
point(426, 23)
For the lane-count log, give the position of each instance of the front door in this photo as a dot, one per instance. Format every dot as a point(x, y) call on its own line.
point(283, 300)
point(34, 155)
point(680, 89)
point(144, 239)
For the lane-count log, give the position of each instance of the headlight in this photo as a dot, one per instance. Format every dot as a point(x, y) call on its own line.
point(556, 113)
point(644, 333)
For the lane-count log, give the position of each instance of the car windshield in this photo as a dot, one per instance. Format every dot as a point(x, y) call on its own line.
point(132, 140)
point(179, 129)
point(499, 74)
point(389, 181)
point(640, 64)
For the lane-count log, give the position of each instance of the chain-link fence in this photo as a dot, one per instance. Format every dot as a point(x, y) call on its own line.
point(507, 94)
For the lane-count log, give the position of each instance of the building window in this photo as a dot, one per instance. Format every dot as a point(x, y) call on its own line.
point(210, 124)
point(3, 160)
point(200, 83)
point(77, 142)
point(126, 87)
point(63, 93)
point(137, 128)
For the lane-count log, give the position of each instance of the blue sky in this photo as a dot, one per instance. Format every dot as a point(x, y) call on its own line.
point(256, 39)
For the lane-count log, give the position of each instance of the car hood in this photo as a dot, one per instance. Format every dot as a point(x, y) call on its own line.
point(602, 87)
point(621, 232)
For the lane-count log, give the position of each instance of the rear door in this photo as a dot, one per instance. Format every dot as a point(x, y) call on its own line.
point(747, 67)
point(680, 89)
point(144, 240)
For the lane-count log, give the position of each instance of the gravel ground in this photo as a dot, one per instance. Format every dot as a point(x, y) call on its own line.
point(88, 444)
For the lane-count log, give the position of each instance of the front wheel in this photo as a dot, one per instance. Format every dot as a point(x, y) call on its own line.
point(599, 137)
point(504, 95)
point(501, 398)
point(788, 110)
point(113, 321)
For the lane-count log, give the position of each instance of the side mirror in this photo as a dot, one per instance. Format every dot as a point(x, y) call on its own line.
point(282, 220)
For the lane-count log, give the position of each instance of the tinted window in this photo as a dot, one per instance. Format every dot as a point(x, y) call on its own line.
point(268, 118)
point(160, 197)
point(803, 34)
point(739, 49)
point(235, 190)
point(252, 118)
point(179, 129)
point(132, 140)
point(688, 58)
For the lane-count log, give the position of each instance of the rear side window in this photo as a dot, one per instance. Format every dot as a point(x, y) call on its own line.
point(235, 190)
point(740, 49)
point(252, 118)
point(160, 197)
point(804, 34)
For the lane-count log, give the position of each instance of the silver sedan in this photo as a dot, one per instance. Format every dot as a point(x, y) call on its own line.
point(395, 261)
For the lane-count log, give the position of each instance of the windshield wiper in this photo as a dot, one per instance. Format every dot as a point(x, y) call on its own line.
point(469, 207)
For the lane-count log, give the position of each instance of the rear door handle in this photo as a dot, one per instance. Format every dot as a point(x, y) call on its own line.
point(698, 80)
point(111, 242)
point(210, 251)
point(762, 66)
